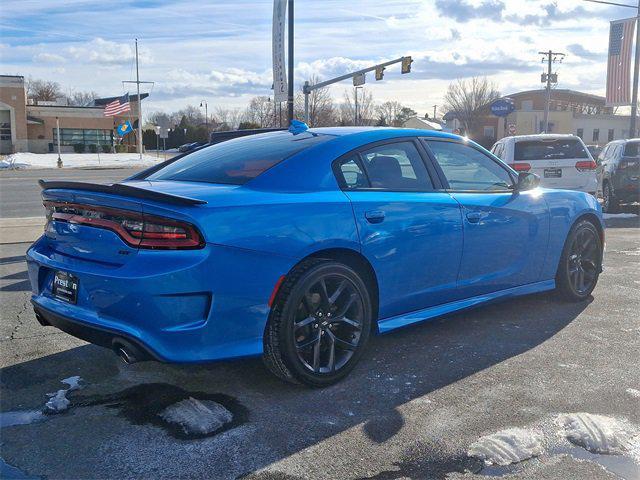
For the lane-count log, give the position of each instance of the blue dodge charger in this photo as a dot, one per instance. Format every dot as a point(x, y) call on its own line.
point(299, 245)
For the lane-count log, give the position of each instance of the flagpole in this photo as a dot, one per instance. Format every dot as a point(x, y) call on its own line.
point(634, 91)
point(139, 104)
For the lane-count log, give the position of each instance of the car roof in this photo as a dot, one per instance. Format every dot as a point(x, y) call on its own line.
point(542, 136)
point(386, 131)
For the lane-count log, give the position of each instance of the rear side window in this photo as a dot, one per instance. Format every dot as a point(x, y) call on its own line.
point(558, 148)
point(352, 175)
point(631, 149)
point(237, 161)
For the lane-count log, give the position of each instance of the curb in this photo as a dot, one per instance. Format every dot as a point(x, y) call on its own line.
point(20, 230)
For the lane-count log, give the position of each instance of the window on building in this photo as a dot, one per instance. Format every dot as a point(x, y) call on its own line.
point(489, 132)
point(549, 130)
point(580, 132)
point(5, 125)
point(72, 136)
point(596, 135)
point(610, 135)
point(527, 105)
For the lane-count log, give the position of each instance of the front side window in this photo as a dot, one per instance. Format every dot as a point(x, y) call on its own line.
point(237, 161)
point(466, 168)
point(396, 166)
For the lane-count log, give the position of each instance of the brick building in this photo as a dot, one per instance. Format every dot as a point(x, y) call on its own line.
point(28, 126)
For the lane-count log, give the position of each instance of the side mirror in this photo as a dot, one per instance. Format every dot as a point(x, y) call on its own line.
point(527, 181)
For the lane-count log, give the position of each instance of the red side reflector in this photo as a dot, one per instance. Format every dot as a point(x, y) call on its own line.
point(521, 167)
point(275, 290)
point(585, 165)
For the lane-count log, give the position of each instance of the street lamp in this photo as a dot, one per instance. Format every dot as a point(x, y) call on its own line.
point(206, 113)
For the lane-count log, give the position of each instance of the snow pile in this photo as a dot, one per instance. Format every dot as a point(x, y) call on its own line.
point(596, 433)
point(76, 160)
point(619, 215)
point(633, 392)
point(197, 417)
point(508, 446)
point(58, 402)
point(20, 417)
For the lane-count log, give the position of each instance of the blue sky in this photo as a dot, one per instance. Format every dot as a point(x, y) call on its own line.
point(221, 50)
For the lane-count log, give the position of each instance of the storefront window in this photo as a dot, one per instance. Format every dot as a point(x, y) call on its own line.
point(71, 136)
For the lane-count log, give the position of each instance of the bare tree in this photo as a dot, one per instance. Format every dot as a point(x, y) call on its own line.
point(228, 118)
point(366, 108)
point(260, 112)
point(322, 111)
point(81, 98)
point(465, 99)
point(388, 113)
point(43, 90)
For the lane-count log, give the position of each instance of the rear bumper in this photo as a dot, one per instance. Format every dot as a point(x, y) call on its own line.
point(93, 334)
point(175, 306)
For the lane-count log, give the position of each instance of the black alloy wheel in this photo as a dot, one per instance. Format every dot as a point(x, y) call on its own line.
point(319, 325)
point(580, 264)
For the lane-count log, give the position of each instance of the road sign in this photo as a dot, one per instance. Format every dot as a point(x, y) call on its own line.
point(164, 132)
point(359, 79)
point(512, 129)
point(502, 107)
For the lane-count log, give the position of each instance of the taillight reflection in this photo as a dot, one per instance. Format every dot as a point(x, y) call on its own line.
point(135, 229)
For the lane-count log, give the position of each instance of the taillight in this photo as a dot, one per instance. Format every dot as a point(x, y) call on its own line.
point(135, 229)
point(585, 165)
point(521, 167)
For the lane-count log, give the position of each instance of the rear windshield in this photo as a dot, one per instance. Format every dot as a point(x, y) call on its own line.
point(239, 160)
point(631, 149)
point(549, 149)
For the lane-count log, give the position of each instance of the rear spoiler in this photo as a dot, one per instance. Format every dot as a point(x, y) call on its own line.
point(122, 189)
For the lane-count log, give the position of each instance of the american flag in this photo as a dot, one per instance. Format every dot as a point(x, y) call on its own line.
point(619, 64)
point(118, 106)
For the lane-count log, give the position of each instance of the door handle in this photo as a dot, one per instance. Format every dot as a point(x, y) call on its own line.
point(374, 216)
point(474, 217)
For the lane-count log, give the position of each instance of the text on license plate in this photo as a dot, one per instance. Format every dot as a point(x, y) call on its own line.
point(552, 173)
point(65, 287)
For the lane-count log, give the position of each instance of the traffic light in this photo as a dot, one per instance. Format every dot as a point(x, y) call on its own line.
point(379, 73)
point(406, 64)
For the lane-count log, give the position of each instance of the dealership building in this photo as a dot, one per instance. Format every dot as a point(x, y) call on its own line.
point(577, 113)
point(30, 126)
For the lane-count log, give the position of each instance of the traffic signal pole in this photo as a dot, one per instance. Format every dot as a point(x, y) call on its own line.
point(308, 88)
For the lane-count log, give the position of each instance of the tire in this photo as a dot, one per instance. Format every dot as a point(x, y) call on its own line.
point(581, 258)
point(304, 327)
point(610, 204)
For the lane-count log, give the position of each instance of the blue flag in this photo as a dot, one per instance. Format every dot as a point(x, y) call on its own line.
point(125, 128)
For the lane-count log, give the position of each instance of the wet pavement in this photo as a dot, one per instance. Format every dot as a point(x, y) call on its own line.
point(412, 408)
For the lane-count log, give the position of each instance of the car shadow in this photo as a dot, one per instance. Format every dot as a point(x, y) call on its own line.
point(397, 368)
point(628, 216)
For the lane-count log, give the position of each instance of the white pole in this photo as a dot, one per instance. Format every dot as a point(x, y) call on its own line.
point(58, 138)
point(139, 104)
point(306, 102)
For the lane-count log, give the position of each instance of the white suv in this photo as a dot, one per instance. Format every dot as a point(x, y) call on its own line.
point(561, 161)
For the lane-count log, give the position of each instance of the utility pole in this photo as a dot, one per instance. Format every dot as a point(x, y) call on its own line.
point(355, 91)
point(206, 113)
point(58, 141)
point(290, 59)
point(550, 57)
point(138, 82)
point(434, 111)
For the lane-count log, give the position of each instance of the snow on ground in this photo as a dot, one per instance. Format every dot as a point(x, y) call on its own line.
point(77, 160)
point(197, 417)
point(633, 392)
point(508, 446)
point(597, 433)
point(619, 215)
point(58, 402)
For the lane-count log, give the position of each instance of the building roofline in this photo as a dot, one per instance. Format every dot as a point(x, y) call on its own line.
point(12, 76)
point(557, 90)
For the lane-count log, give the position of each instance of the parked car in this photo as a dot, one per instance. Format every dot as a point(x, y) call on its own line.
point(299, 246)
point(619, 174)
point(561, 161)
point(594, 150)
point(187, 147)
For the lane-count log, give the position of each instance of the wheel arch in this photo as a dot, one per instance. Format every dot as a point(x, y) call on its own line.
point(359, 263)
point(595, 220)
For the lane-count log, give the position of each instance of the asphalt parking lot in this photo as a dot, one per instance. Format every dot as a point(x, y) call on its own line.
point(412, 408)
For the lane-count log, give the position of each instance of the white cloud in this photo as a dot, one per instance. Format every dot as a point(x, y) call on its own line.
point(49, 58)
